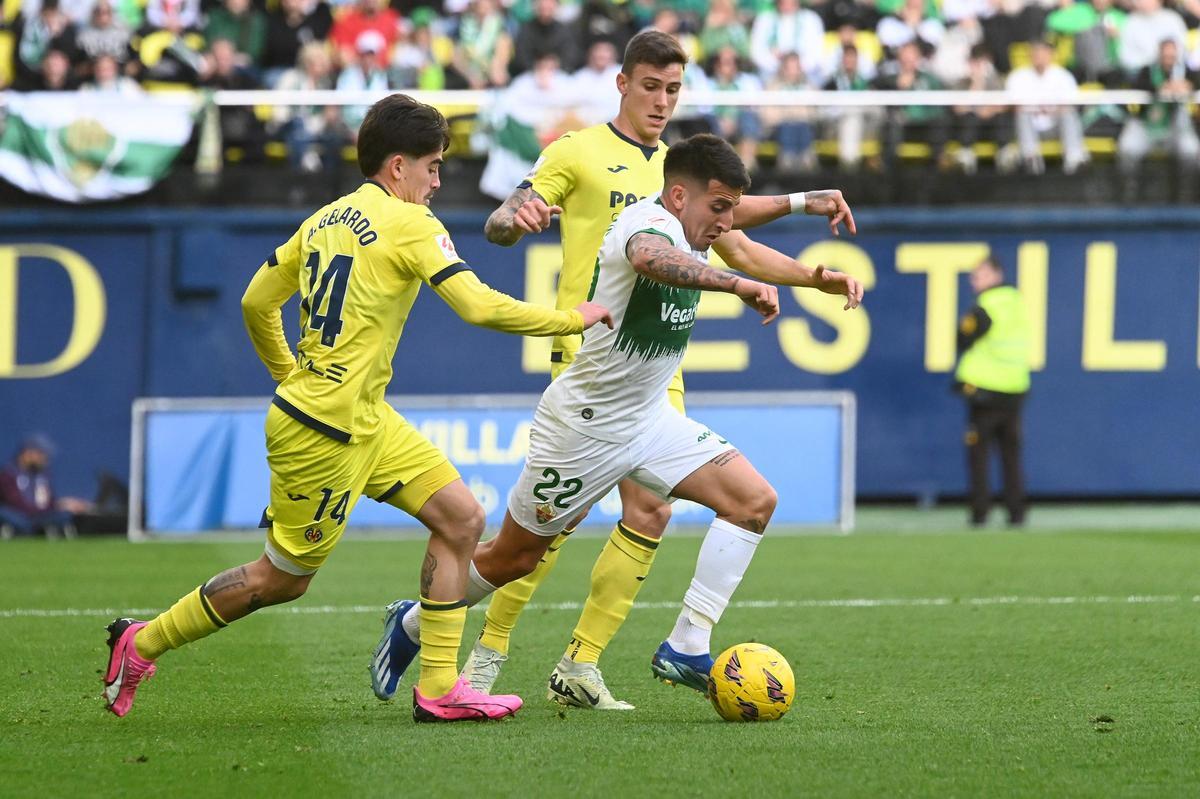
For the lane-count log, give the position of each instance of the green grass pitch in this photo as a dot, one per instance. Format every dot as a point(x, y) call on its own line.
point(1001, 664)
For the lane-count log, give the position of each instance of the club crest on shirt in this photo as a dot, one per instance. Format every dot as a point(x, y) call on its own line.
point(544, 512)
point(446, 246)
point(313, 534)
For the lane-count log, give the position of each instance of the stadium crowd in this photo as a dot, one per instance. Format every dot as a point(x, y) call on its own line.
point(570, 49)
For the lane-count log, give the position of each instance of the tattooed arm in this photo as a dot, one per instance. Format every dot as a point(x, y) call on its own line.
point(653, 256)
point(523, 212)
point(762, 262)
point(754, 210)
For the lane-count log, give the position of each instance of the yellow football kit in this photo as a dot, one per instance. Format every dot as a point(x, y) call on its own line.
point(593, 174)
point(358, 264)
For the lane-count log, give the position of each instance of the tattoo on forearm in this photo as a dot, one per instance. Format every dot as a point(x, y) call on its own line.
point(499, 228)
point(427, 570)
point(656, 258)
point(226, 580)
point(726, 457)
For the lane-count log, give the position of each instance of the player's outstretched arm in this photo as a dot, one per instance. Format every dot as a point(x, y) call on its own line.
point(478, 304)
point(269, 289)
point(655, 257)
point(523, 212)
point(765, 263)
point(754, 210)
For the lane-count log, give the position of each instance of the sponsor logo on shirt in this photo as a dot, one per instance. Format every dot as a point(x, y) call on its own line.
point(446, 246)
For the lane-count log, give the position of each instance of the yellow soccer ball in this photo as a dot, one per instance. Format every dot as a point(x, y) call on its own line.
point(751, 682)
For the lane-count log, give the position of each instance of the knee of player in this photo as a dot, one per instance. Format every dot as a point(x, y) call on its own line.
point(649, 521)
point(755, 508)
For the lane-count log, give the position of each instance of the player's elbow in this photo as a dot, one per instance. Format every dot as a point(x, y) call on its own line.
point(478, 315)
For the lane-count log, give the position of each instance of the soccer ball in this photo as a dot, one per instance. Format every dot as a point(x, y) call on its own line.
point(751, 682)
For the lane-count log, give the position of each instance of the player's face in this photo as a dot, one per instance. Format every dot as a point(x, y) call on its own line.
point(648, 98)
point(705, 211)
point(418, 178)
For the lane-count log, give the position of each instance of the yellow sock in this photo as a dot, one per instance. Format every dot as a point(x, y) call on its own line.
point(441, 632)
point(508, 602)
point(189, 619)
point(616, 579)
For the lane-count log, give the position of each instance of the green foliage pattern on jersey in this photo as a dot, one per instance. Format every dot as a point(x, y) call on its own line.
point(658, 320)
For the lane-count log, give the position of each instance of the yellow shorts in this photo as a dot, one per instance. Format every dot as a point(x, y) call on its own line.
point(560, 360)
point(316, 482)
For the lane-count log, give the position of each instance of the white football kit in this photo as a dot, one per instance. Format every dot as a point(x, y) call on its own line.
point(607, 416)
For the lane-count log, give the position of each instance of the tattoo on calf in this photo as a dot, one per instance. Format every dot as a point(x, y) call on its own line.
point(225, 581)
point(427, 570)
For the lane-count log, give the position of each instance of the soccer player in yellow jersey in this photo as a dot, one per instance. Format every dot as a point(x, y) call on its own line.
point(358, 264)
point(589, 177)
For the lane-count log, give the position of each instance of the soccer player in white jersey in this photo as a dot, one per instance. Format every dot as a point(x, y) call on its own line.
point(607, 418)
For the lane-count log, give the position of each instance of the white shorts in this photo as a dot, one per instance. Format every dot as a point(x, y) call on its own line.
point(566, 471)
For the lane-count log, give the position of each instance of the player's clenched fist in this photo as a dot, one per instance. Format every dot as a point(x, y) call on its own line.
point(762, 297)
point(593, 313)
point(534, 215)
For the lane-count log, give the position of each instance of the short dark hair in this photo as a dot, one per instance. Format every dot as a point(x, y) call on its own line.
point(655, 48)
point(399, 124)
point(706, 157)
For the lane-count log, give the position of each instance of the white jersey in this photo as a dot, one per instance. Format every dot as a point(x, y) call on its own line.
point(619, 378)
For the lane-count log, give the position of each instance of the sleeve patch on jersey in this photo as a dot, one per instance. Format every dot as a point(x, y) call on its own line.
point(444, 244)
point(448, 272)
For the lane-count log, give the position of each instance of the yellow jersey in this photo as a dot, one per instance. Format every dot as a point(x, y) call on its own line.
point(593, 174)
point(358, 264)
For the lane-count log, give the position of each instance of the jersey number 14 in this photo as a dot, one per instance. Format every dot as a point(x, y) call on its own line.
point(332, 285)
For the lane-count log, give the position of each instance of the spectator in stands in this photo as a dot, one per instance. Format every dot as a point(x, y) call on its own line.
point(595, 84)
point(831, 64)
point(292, 25)
point(1013, 22)
point(852, 125)
point(314, 134)
point(1043, 79)
point(107, 77)
point(54, 74)
point(104, 34)
point(1095, 27)
point(922, 123)
point(950, 62)
point(787, 29)
point(364, 72)
point(239, 126)
point(738, 124)
point(483, 50)
point(414, 64)
point(613, 22)
point(49, 28)
point(993, 377)
point(545, 34)
point(667, 20)
point(1165, 122)
point(363, 16)
point(1145, 28)
point(28, 505)
point(791, 125)
point(975, 122)
point(238, 22)
point(722, 29)
point(173, 15)
point(171, 48)
point(912, 22)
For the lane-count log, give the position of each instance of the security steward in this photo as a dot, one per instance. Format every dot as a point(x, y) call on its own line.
point(993, 377)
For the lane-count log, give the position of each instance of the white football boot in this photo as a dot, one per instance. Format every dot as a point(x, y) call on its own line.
point(582, 685)
point(483, 667)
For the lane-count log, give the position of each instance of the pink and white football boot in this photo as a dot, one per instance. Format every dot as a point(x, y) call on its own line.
point(464, 703)
point(126, 668)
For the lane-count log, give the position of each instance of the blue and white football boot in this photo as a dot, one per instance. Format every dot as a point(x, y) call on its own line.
point(674, 668)
point(395, 651)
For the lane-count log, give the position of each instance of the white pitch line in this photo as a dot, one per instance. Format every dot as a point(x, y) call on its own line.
point(750, 604)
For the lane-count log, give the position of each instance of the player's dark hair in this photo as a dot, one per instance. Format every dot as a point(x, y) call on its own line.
point(706, 157)
point(655, 48)
point(399, 124)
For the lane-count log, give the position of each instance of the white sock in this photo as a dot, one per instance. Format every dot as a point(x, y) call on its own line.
point(724, 557)
point(477, 590)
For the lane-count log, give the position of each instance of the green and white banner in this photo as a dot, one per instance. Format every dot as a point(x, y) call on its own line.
point(82, 147)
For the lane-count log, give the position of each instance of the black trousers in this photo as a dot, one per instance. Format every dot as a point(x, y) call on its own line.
point(995, 425)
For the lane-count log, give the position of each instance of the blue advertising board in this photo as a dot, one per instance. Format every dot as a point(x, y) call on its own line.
point(100, 307)
point(203, 463)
